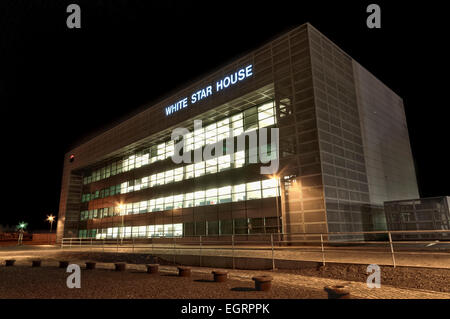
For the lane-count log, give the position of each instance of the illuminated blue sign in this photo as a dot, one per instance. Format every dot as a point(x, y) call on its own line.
point(220, 85)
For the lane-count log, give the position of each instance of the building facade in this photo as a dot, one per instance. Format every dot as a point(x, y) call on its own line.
point(343, 149)
point(431, 213)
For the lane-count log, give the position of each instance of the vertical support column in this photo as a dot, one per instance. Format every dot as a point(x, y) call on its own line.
point(323, 250)
point(392, 249)
point(200, 238)
point(273, 257)
point(232, 248)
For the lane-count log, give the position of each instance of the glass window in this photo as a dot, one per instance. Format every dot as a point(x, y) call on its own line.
point(114, 232)
point(159, 230)
point(135, 231)
point(168, 176)
point(170, 148)
point(136, 208)
point(178, 230)
point(128, 209)
point(144, 182)
point(238, 192)
point(269, 188)
point(145, 159)
point(239, 159)
point(151, 205)
point(152, 180)
point(160, 178)
point(211, 166)
point(225, 194)
point(199, 138)
point(254, 190)
point(199, 197)
point(223, 129)
point(168, 202)
point(199, 169)
point(161, 151)
point(142, 231)
point(123, 188)
point(211, 196)
point(178, 201)
point(189, 171)
point(188, 200)
point(178, 174)
point(168, 230)
point(266, 115)
point(211, 134)
point(224, 162)
point(159, 204)
point(143, 207)
point(138, 161)
point(150, 231)
point(188, 142)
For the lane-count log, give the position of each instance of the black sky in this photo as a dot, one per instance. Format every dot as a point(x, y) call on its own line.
point(59, 86)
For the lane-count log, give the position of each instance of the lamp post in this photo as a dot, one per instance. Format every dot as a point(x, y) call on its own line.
point(51, 219)
point(21, 227)
point(121, 206)
point(277, 179)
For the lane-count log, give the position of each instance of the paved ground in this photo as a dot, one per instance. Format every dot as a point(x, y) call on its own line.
point(49, 282)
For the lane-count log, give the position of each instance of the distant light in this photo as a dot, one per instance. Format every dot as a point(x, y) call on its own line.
point(50, 218)
point(22, 225)
point(72, 157)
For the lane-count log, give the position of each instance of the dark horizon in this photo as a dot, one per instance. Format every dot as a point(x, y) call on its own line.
point(62, 86)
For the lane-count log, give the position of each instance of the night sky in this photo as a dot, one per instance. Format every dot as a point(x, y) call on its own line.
point(60, 86)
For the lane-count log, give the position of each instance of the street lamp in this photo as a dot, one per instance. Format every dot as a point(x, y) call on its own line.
point(120, 206)
point(50, 219)
point(22, 225)
point(277, 179)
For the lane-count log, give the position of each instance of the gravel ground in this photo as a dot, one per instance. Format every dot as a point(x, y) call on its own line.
point(434, 279)
point(50, 282)
point(403, 277)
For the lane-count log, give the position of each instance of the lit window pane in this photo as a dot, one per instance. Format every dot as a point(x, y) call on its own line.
point(178, 174)
point(168, 202)
point(145, 159)
point(224, 162)
point(225, 194)
point(188, 200)
point(199, 169)
point(211, 196)
point(239, 159)
point(211, 166)
point(160, 179)
point(161, 151)
point(199, 197)
point(189, 171)
point(211, 134)
point(153, 180)
point(170, 148)
point(269, 192)
point(150, 231)
point(269, 183)
point(159, 205)
point(168, 176)
point(188, 142)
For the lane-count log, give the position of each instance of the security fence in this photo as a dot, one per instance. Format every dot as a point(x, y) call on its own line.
point(419, 248)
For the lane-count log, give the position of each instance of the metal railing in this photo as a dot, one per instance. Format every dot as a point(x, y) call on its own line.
point(321, 247)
